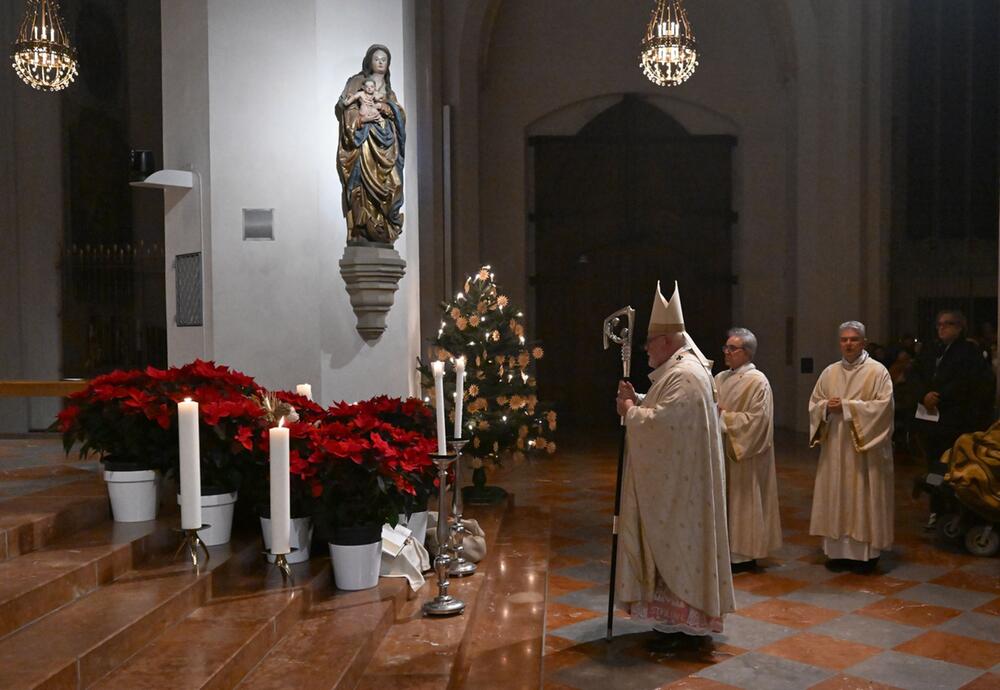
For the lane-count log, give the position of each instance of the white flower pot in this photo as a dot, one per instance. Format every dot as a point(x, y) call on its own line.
point(356, 561)
point(299, 538)
point(132, 494)
point(417, 524)
point(217, 512)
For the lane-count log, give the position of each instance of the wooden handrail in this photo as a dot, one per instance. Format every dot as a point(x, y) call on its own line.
point(40, 389)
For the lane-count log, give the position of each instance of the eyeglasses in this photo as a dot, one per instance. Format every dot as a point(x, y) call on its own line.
point(947, 323)
point(730, 348)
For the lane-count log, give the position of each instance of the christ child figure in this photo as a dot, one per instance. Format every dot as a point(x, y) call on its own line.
point(369, 102)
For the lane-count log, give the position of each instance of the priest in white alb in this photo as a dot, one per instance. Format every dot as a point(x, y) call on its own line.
point(850, 417)
point(673, 559)
point(746, 412)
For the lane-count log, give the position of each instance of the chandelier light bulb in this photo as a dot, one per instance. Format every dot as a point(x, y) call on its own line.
point(43, 57)
point(669, 53)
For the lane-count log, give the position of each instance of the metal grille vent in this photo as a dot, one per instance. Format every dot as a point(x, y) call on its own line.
point(187, 274)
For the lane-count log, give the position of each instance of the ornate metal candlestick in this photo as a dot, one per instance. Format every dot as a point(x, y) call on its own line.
point(459, 566)
point(443, 604)
point(191, 540)
point(281, 562)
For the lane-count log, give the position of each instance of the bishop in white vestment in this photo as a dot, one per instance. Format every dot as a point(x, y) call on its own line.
point(673, 559)
point(850, 416)
point(746, 411)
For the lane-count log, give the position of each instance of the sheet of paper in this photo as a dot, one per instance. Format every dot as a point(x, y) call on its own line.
point(392, 541)
point(925, 414)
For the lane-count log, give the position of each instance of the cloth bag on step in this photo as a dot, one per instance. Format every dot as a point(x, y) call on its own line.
point(474, 542)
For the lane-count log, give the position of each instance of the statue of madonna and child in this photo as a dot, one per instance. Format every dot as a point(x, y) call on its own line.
point(371, 151)
point(370, 156)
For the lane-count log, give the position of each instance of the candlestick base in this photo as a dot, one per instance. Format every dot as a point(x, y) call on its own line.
point(281, 562)
point(444, 605)
point(191, 540)
point(462, 568)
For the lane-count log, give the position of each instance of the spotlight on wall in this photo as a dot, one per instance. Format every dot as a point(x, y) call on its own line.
point(142, 164)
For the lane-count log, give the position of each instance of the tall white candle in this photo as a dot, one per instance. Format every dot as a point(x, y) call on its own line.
point(459, 394)
point(190, 461)
point(281, 509)
point(305, 390)
point(438, 369)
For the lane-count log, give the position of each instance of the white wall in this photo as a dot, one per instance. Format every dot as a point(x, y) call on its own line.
point(249, 91)
point(786, 77)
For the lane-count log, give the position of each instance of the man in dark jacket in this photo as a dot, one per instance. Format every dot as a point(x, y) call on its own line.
point(951, 375)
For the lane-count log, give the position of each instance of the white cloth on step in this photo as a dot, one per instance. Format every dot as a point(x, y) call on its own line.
point(403, 556)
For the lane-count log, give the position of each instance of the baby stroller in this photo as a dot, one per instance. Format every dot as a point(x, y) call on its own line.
point(969, 492)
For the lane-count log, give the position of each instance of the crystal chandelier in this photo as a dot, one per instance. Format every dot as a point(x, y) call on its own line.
point(669, 53)
point(43, 56)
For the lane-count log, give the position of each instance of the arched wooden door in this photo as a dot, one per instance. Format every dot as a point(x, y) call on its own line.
point(631, 199)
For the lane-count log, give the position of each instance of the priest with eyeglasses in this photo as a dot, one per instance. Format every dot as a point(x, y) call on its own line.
point(746, 413)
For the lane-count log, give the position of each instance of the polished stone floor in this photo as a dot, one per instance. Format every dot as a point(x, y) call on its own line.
point(929, 618)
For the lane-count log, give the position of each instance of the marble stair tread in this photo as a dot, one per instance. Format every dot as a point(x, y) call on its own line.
point(39, 582)
point(418, 651)
point(508, 626)
point(355, 621)
point(84, 640)
point(329, 648)
point(31, 521)
point(215, 646)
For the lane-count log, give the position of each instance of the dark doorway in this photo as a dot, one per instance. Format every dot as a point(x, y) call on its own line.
point(631, 199)
point(113, 282)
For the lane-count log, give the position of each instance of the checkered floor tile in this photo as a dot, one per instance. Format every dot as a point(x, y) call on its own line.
point(929, 618)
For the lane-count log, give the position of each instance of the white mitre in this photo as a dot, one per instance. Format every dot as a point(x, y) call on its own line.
point(668, 317)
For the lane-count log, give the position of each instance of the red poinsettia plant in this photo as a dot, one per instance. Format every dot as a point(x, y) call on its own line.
point(130, 417)
point(300, 415)
point(350, 465)
point(369, 460)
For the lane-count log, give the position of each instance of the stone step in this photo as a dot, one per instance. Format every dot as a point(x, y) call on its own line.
point(423, 652)
point(93, 635)
point(215, 646)
point(34, 584)
point(331, 646)
point(32, 521)
point(508, 626)
point(251, 609)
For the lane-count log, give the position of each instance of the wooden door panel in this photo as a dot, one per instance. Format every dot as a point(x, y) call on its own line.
point(614, 214)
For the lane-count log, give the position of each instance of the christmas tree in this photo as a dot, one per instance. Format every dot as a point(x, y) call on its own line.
point(502, 412)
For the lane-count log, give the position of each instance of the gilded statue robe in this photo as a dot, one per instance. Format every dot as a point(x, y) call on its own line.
point(748, 443)
point(672, 525)
point(853, 497)
point(370, 159)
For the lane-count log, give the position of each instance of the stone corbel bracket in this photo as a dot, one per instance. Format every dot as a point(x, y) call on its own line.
point(371, 274)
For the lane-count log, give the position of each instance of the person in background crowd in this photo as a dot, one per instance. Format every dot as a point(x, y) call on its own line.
point(955, 383)
point(905, 395)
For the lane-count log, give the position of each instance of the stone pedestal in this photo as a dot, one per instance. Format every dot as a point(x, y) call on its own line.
point(371, 273)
